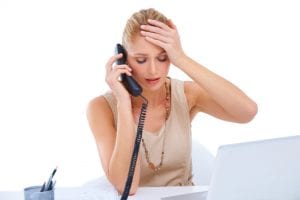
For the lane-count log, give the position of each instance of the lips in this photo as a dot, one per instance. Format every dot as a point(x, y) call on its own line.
point(152, 80)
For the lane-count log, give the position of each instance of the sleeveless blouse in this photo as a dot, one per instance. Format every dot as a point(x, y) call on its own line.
point(177, 164)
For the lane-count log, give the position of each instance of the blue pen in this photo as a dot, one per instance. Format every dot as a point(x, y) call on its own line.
point(43, 187)
point(48, 185)
point(52, 185)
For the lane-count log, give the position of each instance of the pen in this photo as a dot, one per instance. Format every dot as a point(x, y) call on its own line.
point(43, 187)
point(52, 185)
point(48, 185)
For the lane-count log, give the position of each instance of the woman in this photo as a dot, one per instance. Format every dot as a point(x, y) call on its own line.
point(152, 43)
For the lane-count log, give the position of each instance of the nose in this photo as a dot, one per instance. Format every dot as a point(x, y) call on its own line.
point(152, 67)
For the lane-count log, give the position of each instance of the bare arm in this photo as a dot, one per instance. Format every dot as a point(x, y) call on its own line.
point(114, 144)
point(209, 93)
point(216, 96)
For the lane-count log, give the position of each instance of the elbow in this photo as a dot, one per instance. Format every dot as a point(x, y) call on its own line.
point(133, 190)
point(249, 113)
point(120, 190)
point(120, 186)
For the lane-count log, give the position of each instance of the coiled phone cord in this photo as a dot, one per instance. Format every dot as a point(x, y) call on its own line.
point(139, 133)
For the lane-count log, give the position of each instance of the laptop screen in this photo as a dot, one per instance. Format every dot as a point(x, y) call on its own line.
point(266, 169)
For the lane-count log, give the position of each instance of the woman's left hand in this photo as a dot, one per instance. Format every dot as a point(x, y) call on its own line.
point(165, 36)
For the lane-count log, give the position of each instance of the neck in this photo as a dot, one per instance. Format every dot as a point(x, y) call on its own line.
point(155, 98)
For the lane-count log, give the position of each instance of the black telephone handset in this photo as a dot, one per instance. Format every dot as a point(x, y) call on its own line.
point(130, 84)
point(136, 90)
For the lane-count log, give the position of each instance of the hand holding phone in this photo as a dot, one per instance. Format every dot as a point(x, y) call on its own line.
point(130, 84)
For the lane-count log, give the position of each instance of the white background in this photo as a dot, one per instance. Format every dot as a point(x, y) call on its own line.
point(52, 57)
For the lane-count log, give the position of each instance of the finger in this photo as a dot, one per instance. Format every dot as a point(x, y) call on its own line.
point(171, 24)
point(116, 67)
point(155, 36)
point(156, 42)
point(118, 73)
point(159, 24)
point(111, 61)
point(154, 29)
point(113, 75)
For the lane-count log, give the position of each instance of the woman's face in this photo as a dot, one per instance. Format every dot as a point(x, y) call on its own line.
point(149, 63)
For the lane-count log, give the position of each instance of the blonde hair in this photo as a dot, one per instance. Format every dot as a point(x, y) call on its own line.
point(132, 27)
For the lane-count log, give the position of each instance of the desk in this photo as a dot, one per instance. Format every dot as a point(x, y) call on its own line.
point(156, 193)
point(95, 193)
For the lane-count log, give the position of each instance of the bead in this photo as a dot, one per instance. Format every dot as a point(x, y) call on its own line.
point(151, 166)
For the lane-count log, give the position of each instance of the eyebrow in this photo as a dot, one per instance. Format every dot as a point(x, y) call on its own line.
point(144, 54)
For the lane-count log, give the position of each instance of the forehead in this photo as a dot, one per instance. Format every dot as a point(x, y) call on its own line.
point(141, 46)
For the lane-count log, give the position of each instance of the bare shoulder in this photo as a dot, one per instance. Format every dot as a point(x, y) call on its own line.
point(192, 91)
point(101, 121)
point(196, 97)
point(98, 105)
point(99, 113)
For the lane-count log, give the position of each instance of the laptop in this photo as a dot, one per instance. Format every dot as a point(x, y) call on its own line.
point(260, 170)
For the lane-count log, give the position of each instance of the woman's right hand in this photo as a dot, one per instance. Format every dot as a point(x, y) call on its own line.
point(112, 77)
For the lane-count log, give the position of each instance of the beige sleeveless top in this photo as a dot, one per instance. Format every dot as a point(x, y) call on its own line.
point(177, 164)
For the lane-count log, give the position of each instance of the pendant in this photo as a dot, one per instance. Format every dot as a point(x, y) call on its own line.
point(153, 167)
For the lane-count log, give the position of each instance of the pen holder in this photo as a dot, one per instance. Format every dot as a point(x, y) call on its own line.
point(34, 193)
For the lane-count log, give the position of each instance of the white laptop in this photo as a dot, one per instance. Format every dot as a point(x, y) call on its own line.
point(259, 170)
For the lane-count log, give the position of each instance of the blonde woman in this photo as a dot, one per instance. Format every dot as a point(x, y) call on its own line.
point(152, 42)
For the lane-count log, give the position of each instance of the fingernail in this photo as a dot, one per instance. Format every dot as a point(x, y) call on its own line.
point(143, 26)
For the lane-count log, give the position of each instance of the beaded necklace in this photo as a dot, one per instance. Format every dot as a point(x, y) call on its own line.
point(151, 165)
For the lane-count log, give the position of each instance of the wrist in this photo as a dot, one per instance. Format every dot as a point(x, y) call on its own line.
point(181, 60)
point(124, 104)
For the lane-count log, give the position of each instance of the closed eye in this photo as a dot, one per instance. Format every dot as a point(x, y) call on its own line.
point(162, 58)
point(141, 60)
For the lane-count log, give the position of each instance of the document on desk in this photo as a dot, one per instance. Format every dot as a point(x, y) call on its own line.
point(143, 193)
point(108, 193)
point(189, 196)
point(102, 189)
point(170, 193)
point(98, 190)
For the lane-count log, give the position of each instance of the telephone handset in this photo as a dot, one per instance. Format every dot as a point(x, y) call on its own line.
point(136, 90)
point(130, 84)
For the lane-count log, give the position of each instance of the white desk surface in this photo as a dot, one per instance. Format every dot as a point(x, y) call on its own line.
point(97, 193)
